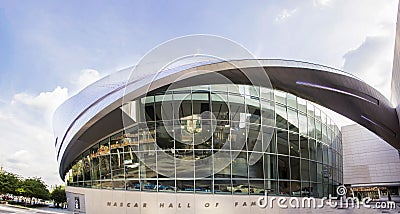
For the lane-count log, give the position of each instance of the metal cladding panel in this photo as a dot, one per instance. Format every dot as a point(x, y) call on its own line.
point(74, 106)
point(98, 99)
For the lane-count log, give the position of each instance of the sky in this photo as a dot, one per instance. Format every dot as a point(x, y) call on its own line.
point(49, 50)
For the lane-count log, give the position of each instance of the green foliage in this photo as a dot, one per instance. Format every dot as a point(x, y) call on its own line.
point(35, 187)
point(58, 195)
point(9, 183)
point(31, 188)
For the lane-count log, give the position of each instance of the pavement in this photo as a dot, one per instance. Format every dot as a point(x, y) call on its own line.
point(16, 209)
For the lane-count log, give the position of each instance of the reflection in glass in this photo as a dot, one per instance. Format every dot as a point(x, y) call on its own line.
point(119, 184)
point(284, 188)
point(95, 168)
point(302, 105)
point(281, 117)
point(304, 147)
point(222, 186)
point(293, 120)
point(313, 171)
point(319, 152)
point(86, 167)
point(291, 101)
point(131, 165)
point(267, 113)
point(295, 168)
point(311, 127)
point(237, 108)
point(105, 168)
point(280, 97)
point(268, 139)
point(117, 165)
point(303, 124)
point(294, 144)
point(313, 149)
point(225, 157)
point(185, 185)
point(132, 185)
point(256, 187)
point(270, 166)
point(271, 186)
point(147, 170)
point(253, 110)
point(295, 187)
point(166, 186)
point(221, 136)
point(201, 104)
point(254, 141)
point(238, 149)
point(165, 135)
point(240, 166)
point(203, 186)
point(106, 184)
point(318, 133)
point(220, 107)
point(148, 185)
point(305, 170)
point(283, 167)
point(256, 171)
point(240, 187)
point(282, 142)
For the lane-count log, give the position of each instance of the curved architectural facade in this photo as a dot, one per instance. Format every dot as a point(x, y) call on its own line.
point(212, 137)
point(300, 156)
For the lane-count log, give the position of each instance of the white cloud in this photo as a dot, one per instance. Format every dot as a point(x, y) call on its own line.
point(87, 77)
point(332, 33)
point(320, 36)
point(44, 101)
point(372, 62)
point(36, 109)
point(321, 3)
point(284, 14)
point(27, 140)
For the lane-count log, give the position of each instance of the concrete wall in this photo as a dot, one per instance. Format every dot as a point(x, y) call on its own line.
point(367, 158)
point(115, 201)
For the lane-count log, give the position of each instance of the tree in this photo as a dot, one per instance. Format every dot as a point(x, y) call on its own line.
point(9, 183)
point(58, 195)
point(35, 188)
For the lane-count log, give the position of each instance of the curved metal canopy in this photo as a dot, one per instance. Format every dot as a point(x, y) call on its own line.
point(78, 122)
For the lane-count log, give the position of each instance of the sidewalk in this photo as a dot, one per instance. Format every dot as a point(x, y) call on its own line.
point(53, 210)
point(20, 209)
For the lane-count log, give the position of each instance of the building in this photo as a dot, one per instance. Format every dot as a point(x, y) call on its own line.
point(158, 144)
point(371, 168)
point(205, 138)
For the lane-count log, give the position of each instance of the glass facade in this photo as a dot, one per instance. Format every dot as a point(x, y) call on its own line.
point(217, 139)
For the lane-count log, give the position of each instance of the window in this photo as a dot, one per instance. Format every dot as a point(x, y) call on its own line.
point(281, 117)
point(283, 167)
point(282, 142)
point(241, 148)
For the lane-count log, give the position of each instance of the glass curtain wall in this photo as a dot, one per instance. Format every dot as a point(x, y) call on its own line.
point(269, 141)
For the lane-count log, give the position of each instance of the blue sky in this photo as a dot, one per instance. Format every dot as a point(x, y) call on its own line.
point(49, 50)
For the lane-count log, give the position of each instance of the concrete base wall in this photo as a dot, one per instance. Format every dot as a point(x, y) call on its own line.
point(121, 202)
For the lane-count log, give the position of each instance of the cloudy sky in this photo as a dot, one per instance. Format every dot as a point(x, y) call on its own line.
point(50, 50)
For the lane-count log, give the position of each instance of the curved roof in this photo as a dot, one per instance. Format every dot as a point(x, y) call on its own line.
point(77, 121)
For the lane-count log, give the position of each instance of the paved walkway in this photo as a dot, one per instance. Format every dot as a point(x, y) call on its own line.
point(15, 209)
